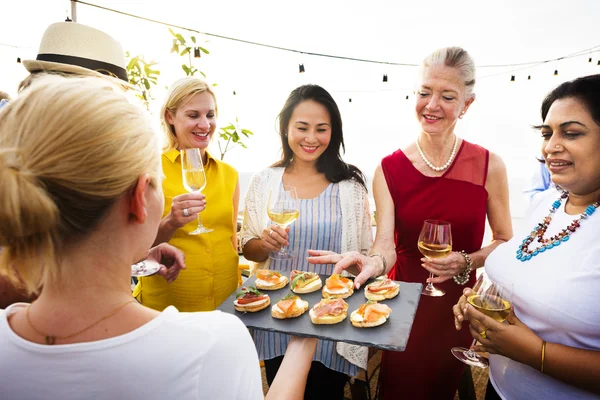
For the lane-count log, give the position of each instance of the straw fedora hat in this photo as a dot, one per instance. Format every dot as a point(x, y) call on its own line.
point(79, 49)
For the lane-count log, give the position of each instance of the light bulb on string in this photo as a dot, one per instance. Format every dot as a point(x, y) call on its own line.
point(301, 68)
point(18, 60)
point(528, 77)
point(512, 78)
point(350, 100)
point(197, 52)
point(406, 97)
point(598, 62)
point(385, 78)
point(555, 72)
point(590, 59)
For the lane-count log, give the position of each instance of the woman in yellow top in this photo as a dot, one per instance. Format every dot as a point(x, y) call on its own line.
point(189, 118)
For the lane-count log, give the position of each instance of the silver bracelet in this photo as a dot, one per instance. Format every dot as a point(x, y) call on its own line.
point(463, 277)
point(383, 261)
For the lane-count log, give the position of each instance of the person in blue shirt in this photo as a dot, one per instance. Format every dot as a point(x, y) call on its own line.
point(540, 182)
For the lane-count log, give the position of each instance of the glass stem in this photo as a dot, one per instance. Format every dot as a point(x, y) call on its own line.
point(283, 249)
point(470, 353)
point(429, 284)
point(199, 220)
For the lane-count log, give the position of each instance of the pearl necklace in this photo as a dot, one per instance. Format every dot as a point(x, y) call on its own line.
point(524, 253)
point(443, 167)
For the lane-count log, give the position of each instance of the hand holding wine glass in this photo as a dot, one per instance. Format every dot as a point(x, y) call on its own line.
point(194, 179)
point(283, 209)
point(435, 241)
point(492, 298)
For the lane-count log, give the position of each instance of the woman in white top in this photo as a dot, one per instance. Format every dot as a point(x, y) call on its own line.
point(550, 347)
point(80, 201)
point(334, 216)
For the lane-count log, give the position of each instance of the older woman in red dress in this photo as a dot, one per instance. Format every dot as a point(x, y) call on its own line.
point(439, 176)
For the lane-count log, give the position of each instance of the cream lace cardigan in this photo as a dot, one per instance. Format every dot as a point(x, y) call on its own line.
point(356, 217)
point(356, 228)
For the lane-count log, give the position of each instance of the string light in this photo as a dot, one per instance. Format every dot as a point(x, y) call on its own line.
point(385, 78)
point(590, 59)
point(555, 72)
point(18, 60)
point(301, 68)
point(197, 52)
point(530, 63)
point(598, 62)
point(406, 97)
point(234, 92)
point(350, 100)
point(528, 77)
point(512, 78)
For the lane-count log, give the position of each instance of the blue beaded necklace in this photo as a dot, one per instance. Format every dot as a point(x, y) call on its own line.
point(524, 253)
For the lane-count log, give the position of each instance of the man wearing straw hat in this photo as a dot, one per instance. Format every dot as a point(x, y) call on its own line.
point(72, 48)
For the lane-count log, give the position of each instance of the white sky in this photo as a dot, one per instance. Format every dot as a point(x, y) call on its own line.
point(379, 119)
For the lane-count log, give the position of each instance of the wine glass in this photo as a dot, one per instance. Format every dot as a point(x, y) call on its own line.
point(194, 179)
point(493, 298)
point(283, 209)
point(435, 241)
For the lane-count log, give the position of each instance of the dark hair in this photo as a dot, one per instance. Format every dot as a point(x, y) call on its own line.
point(585, 89)
point(330, 162)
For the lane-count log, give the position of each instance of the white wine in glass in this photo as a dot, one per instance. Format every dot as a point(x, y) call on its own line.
point(435, 241)
point(492, 298)
point(194, 179)
point(283, 209)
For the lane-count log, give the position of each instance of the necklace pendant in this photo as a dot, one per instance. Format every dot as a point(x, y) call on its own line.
point(50, 339)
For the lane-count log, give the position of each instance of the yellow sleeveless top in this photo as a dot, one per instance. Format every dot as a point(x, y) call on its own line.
point(211, 273)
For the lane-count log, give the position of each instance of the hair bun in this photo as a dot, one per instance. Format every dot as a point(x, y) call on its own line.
point(26, 209)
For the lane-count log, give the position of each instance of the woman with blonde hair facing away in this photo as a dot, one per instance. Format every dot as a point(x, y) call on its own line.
point(80, 203)
point(189, 119)
point(439, 176)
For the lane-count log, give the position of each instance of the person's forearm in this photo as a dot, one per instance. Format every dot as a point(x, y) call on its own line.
point(254, 251)
point(290, 381)
point(577, 367)
point(482, 254)
point(165, 232)
point(387, 251)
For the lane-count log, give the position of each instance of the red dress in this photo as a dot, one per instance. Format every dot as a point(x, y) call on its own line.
point(427, 369)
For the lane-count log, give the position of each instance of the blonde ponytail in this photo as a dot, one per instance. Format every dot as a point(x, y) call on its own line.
point(69, 148)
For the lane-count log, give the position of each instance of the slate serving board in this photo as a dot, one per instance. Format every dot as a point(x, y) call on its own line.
point(392, 335)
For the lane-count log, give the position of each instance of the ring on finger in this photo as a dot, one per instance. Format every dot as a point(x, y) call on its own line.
point(483, 333)
point(271, 233)
point(186, 213)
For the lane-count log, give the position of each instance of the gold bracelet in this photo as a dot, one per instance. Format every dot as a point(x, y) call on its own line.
point(543, 355)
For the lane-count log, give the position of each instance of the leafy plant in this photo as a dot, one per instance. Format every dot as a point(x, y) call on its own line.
point(143, 75)
point(182, 46)
point(230, 135)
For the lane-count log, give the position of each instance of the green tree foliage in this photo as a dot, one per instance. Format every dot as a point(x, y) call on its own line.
point(143, 75)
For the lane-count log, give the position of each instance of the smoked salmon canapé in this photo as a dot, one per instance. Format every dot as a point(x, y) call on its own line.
point(270, 280)
point(370, 314)
point(291, 306)
point(248, 299)
point(305, 282)
point(338, 286)
point(383, 288)
point(328, 312)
